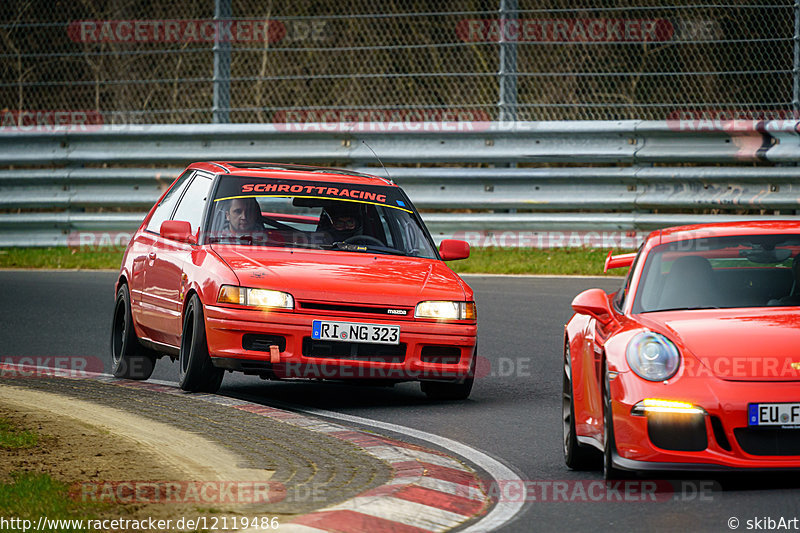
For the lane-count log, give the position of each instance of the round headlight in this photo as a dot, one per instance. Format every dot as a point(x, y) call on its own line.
point(653, 356)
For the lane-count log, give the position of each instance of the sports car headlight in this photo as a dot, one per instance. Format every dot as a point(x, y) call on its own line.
point(264, 298)
point(444, 310)
point(653, 356)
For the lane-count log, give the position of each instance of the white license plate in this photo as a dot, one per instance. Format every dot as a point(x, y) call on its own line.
point(773, 414)
point(355, 332)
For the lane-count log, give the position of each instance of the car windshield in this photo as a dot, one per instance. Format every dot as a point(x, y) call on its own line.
point(721, 272)
point(316, 214)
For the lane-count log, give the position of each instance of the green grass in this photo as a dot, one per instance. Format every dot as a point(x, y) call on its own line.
point(555, 261)
point(12, 438)
point(29, 495)
point(61, 257)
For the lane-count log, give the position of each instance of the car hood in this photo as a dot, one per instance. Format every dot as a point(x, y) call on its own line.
point(346, 277)
point(758, 344)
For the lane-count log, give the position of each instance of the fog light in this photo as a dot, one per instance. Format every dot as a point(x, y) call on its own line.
point(653, 405)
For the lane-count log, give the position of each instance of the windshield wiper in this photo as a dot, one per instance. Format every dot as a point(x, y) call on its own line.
point(686, 308)
point(231, 239)
point(366, 248)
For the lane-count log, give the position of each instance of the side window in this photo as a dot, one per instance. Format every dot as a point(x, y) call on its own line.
point(622, 294)
point(167, 204)
point(193, 202)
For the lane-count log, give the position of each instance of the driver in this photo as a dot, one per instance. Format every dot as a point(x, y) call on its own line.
point(243, 215)
point(342, 222)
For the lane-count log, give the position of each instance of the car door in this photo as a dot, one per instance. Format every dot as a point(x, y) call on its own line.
point(143, 254)
point(165, 280)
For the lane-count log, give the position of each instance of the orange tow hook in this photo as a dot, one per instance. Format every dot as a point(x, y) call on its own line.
point(274, 354)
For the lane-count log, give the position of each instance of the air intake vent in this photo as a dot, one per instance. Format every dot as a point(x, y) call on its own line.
point(261, 343)
point(443, 355)
point(768, 441)
point(386, 353)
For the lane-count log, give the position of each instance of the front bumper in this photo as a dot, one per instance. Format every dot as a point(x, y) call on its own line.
point(227, 327)
point(720, 439)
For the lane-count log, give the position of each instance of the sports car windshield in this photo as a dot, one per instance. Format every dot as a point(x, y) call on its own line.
point(316, 214)
point(721, 272)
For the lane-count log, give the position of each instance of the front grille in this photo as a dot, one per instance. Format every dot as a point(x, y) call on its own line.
point(386, 353)
point(261, 343)
point(443, 355)
point(360, 309)
point(763, 441)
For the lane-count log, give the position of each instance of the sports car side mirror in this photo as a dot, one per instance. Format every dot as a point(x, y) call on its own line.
point(452, 249)
point(594, 303)
point(178, 230)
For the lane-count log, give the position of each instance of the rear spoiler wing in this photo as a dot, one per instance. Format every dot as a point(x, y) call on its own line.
point(618, 261)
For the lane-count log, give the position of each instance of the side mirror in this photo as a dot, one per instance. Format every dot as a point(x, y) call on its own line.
point(451, 250)
point(178, 230)
point(594, 303)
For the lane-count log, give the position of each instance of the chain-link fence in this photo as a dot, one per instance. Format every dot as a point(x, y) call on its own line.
point(198, 61)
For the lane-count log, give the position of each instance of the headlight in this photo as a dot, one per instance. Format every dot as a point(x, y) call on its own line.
point(653, 356)
point(443, 310)
point(264, 298)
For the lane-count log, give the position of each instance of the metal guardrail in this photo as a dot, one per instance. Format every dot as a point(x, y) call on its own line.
point(627, 192)
point(627, 142)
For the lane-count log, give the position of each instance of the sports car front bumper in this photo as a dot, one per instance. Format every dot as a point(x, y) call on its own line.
point(718, 439)
point(427, 350)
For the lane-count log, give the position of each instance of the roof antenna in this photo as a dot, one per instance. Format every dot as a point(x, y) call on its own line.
point(378, 158)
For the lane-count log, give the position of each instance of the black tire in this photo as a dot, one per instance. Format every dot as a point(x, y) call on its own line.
point(610, 472)
point(576, 455)
point(451, 390)
point(129, 359)
point(196, 373)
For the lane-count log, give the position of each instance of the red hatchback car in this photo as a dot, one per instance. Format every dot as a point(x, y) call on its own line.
point(694, 364)
point(286, 271)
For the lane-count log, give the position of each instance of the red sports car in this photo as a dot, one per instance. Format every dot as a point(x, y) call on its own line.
point(694, 364)
point(286, 271)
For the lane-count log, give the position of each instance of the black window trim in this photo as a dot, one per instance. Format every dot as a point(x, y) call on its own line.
point(622, 294)
point(189, 181)
point(196, 175)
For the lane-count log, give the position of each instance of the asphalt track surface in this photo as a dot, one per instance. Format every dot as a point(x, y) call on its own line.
point(513, 414)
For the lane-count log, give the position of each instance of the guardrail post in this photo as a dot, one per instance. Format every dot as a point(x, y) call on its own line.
point(220, 110)
point(507, 98)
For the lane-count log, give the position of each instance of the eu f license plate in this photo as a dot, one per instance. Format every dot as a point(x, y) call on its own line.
point(773, 414)
point(355, 332)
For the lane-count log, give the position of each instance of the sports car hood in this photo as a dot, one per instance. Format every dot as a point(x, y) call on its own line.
point(758, 344)
point(346, 277)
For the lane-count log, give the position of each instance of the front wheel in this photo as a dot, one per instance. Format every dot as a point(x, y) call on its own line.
point(576, 455)
point(196, 373)
point(129, 359)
